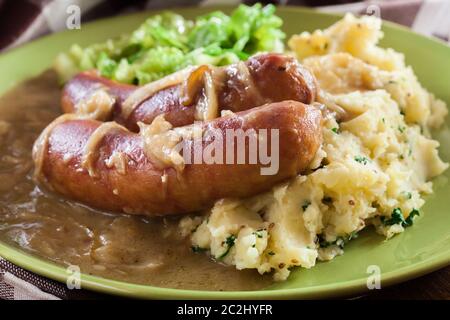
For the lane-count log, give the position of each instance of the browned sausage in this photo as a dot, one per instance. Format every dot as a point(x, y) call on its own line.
point(264, 79)
point(134, 184)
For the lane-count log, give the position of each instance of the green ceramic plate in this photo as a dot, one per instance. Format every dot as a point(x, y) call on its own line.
point(421, 249)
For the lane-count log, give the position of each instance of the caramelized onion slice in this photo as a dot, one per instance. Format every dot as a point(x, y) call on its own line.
point(201, 86)
point(148, 90)
point(91, 148)
point(41, 144)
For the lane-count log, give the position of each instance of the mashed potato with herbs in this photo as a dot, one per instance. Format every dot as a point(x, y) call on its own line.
point(373, 168)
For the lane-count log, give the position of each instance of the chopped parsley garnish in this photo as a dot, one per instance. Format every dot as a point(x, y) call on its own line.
point(305, 205)
point(362, 160)
point(195, 228)
point(197, 249)
point(353, 235)
point(401, 129)
point(408, 195)
point(271, 253)
point(335, 130)
point(410, 220)
point(259, 233)
point(229, 242)
point(397, 218)
point(327, 200)
point(324, 243)
point(340, 240)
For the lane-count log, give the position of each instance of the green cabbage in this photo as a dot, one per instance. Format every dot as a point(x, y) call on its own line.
point(167, 42)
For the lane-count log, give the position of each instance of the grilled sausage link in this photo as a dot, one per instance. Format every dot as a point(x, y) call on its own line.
point(104, 165)
point(262, 79)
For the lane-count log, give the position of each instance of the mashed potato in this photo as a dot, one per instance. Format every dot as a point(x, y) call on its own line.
point(373, 168)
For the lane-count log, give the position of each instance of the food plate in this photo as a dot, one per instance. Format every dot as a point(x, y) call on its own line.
point(422, 249)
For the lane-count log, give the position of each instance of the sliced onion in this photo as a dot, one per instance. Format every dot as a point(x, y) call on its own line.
point(97, 106)
point(244, 76)
point(40, 146)
point(160, 142)
point(90, 149)
point(201, 86)
point(193, 85)
point(148, 90)
point(208, 108)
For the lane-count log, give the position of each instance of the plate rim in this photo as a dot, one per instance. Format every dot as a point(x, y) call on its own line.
point(57, 272)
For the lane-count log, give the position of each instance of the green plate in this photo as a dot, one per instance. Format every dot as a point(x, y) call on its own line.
point(421, 249)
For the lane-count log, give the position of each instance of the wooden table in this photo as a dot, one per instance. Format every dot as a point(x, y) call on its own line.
point(435, 286)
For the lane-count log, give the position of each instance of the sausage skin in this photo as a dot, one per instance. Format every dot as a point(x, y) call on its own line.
point(274, 78)
point(147, 190)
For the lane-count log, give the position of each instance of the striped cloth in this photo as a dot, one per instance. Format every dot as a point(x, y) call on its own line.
point(23, 21)
point(28, 19)
point(19, 284)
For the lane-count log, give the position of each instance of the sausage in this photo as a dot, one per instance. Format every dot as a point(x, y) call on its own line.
point(134, 184)
point(262, 79)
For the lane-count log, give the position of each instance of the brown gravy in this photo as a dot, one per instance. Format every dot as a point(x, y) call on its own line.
point(133, 249)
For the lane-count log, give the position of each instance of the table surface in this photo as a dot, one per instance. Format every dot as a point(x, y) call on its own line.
point(434, 286)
